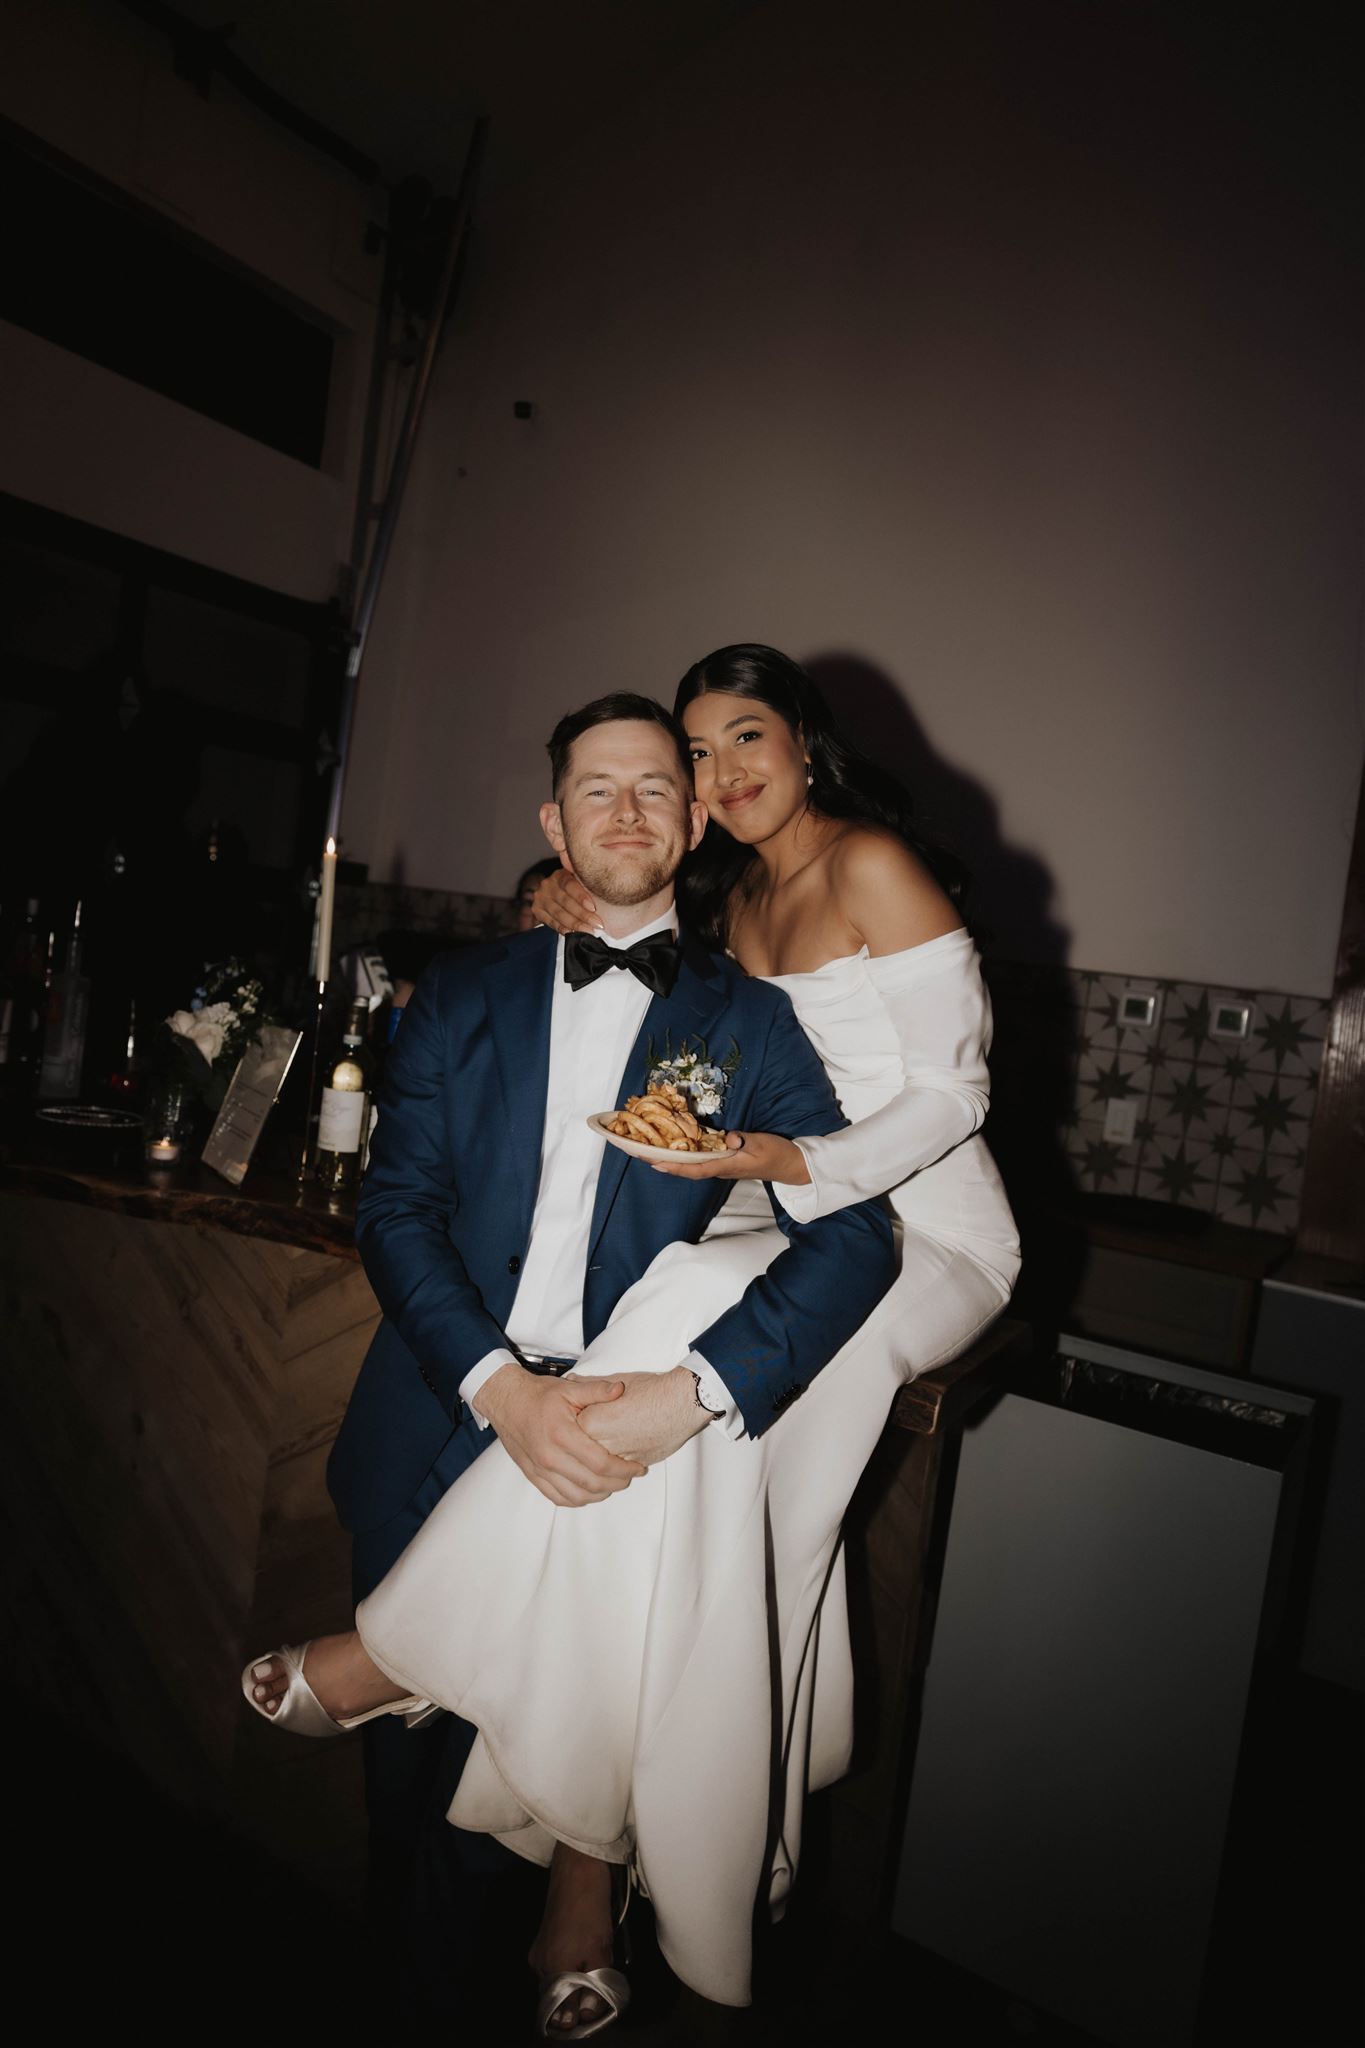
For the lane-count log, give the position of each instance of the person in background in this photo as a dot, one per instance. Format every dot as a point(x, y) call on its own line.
point(407, 955)
point(526, 889)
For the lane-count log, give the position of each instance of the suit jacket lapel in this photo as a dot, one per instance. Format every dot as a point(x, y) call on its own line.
point(698, 998)
point(518, 990)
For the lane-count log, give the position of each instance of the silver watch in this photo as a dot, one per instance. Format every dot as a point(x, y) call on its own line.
point(696, 1382)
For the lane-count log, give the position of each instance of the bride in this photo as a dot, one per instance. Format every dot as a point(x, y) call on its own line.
point(657, 1682)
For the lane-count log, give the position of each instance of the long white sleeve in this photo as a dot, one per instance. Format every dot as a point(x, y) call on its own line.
point(937, 1007)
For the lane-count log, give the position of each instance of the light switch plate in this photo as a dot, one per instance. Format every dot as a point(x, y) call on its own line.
point(1120, 1120)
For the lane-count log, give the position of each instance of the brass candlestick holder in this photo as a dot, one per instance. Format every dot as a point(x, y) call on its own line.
point(306, 1161)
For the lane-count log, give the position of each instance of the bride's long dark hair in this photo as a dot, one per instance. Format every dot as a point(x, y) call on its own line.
point(844, 783)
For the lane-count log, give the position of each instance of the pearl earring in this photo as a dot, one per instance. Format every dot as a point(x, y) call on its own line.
point(810, 775)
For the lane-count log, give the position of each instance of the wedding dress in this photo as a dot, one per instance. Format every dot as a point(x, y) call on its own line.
point(664, 1676)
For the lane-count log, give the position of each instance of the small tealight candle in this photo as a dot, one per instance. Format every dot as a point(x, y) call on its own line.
point(163, 1151)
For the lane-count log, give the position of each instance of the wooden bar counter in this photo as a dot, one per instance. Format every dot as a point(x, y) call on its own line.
point(177, 1359)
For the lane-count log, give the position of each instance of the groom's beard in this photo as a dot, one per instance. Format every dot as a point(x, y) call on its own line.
point(618, 879)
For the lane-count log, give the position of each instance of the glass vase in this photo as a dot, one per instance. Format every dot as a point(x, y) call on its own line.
point(166, 1123)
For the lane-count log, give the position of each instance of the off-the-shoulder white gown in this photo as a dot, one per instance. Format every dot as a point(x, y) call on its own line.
point(664, 1676)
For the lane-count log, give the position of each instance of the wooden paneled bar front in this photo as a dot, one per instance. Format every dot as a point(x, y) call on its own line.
point(177, 1363)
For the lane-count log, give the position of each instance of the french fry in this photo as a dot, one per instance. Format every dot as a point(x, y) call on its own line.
point(667, 1126)
point(662, 1118)
point(627, 1126)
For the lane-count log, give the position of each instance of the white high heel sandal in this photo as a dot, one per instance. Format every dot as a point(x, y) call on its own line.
point(302, 1712)
point(611, 1986)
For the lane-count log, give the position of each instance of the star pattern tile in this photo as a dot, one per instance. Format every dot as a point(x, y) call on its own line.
point(1253, 1188)
point(1192, 1023)
point(1272, 1113)
point(1221, 1124)
point(364, 908)
point(1179, 1177)
point(1103, 1162)
point(1111, 1084)
point(1288, 1035)
point(1187, 1098)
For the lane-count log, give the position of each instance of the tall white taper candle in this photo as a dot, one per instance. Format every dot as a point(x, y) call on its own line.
point(326, 905)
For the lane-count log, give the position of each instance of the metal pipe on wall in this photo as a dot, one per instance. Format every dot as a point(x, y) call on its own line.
point(398, 474)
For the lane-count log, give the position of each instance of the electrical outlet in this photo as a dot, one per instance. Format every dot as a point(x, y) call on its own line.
point(1139, 1009)
point(1120, 1120)
point(1230, 1020)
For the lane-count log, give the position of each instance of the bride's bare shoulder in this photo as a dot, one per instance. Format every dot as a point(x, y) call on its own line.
point(886, 892)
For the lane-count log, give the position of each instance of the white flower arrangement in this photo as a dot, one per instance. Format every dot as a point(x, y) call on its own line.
point(694, 1073)
point(206, 1027)
point(203, 1044)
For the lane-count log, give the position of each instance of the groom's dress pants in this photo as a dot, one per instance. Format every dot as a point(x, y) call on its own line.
point(433, 1889)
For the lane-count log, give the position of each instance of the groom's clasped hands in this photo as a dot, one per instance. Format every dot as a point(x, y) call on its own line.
point(580, 1440)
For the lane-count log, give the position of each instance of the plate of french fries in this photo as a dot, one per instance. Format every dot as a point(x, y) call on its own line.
point(658, 1125)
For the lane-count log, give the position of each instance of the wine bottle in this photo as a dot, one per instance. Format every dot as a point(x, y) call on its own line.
point(67, 1010)
point(343, 1123)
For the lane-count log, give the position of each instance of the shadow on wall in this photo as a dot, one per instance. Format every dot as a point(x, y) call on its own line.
point(1008, 901)
point(1010, 907)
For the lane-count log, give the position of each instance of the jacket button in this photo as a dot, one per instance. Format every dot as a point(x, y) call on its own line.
point(514, 1264)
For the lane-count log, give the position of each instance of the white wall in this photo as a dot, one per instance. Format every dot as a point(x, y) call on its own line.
point(88, 79)
point(1004, 352)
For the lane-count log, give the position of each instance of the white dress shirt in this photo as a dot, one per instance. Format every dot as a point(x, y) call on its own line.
point(592, 1031)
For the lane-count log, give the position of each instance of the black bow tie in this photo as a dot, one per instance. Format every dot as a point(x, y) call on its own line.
point(652, 960)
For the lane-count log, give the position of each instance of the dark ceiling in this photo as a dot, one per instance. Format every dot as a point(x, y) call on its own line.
point(403, 80)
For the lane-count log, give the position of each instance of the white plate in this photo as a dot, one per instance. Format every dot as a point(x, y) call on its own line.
point(636, 1149)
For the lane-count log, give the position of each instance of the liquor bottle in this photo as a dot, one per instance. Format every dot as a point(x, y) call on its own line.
point(68, 1007)
point(343, 1122)
point(107, 927)
point(24, 985)
point(120, 1082)
point(6, 1002)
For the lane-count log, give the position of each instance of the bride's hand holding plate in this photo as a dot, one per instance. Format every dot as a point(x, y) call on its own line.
point(748, 1155)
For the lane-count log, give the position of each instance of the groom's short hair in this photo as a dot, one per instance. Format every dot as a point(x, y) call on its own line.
point(620, 705)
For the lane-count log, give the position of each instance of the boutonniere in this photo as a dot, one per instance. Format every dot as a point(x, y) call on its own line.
point(693, 1072)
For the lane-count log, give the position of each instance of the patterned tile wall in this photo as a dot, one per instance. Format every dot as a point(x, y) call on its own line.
point(365, 909)
point(1219, 1123)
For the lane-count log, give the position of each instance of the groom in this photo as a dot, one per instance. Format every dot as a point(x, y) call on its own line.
point(499, 1233)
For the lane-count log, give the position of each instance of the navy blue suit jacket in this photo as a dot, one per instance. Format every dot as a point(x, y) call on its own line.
point(444, 1216)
